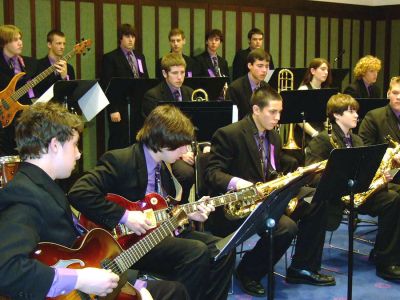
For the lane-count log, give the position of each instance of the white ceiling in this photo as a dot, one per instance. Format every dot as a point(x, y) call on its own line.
point(364, 2)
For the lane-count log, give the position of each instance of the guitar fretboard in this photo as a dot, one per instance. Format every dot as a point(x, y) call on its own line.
point(129, 257)
point(248, 195)
point(32, 83)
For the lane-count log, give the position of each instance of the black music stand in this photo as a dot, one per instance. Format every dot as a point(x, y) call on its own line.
point(301, 106)
point(263, 218)
point(338, 76)
point(130, 91)
point(212, 85)
point(68, 92)
point(349, 171)
point(298, 75)
point(206, 116)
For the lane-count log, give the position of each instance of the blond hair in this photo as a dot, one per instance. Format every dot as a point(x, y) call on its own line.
point(8, 33)
point(365, 64)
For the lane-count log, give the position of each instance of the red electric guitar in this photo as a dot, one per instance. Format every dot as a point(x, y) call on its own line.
point(156, 209)
point(9, 104)
point(99, 249)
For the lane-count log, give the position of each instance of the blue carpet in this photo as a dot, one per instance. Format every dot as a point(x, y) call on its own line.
point(366, 285)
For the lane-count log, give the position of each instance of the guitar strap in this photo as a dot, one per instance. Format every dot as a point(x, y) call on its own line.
point(177, 185)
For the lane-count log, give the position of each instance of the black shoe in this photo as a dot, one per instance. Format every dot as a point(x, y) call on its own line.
point(308, 277)
point(250, 286)
point(388, 272)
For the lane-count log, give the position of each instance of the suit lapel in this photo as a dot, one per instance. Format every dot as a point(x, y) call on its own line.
point(248, 132)
point(124, 61)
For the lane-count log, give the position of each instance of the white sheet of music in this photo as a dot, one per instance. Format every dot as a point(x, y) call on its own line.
point(269, 74)
point(93, 102)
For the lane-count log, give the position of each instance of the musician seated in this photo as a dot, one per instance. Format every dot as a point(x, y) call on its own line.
point(342, 112)
point(34, 209)
point(250, 151)
point(143, 168)
point(172, 89)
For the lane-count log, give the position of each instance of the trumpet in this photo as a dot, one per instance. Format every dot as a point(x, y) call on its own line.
point(286, 83)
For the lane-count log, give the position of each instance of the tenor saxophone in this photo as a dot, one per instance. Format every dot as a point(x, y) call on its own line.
point(241, 209)
point(379, 181)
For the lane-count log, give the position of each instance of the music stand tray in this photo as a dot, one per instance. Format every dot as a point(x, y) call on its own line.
point(309, 105)
point(206, 116)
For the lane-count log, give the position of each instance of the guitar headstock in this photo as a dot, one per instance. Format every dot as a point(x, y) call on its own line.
point(83, 46)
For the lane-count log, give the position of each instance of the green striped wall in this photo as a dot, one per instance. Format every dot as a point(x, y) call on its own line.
point(287, 52)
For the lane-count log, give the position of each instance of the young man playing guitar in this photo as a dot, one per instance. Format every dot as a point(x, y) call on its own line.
point(143, 168)
point(33, 209)
point(12, 62)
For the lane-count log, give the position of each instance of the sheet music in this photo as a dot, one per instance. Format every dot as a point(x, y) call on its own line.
point(269, 74)
point(93, 102)
point(47, 96)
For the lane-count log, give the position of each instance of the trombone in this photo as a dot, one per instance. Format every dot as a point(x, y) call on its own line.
point(286, 83)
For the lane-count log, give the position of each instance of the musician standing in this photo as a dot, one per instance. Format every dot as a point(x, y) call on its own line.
point(56, 42)
point(33, 209)
point(143, 168)
point(12, 62)
point(210, 63)
point(177, 41)
point(236, 152)
point(256, 39)
point(127, 62)
point(342, 112)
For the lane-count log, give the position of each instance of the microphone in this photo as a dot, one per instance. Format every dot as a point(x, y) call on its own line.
point(339, 56)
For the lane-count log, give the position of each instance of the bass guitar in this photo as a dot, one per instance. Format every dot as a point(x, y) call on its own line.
point(156, 209)
point(99, 249)
point(9, 97)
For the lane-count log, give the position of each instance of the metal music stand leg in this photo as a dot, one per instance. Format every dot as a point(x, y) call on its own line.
point(350, 185)
point(271, 283)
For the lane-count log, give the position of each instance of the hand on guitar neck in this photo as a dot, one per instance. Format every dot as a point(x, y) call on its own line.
point(203, 210)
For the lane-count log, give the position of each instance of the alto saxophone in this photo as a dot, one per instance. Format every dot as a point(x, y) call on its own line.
point(379, 181)
point(241, 209)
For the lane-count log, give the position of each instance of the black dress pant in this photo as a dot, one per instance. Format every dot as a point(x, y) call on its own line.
point(386, 205)
point(167, 290)
point(189, 260)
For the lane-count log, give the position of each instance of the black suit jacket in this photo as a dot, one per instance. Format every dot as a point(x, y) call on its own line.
point(115, 64)
point(377, 124)
point(192, 69)
point(34, 209)
point(239, 64)
point(121, 171)
point(319, 149)
point(206, 65)
point(43, 64)
point(239, 91)
point(161, 93)
point(234, 153)
point(7, 135)
point(358, 90)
